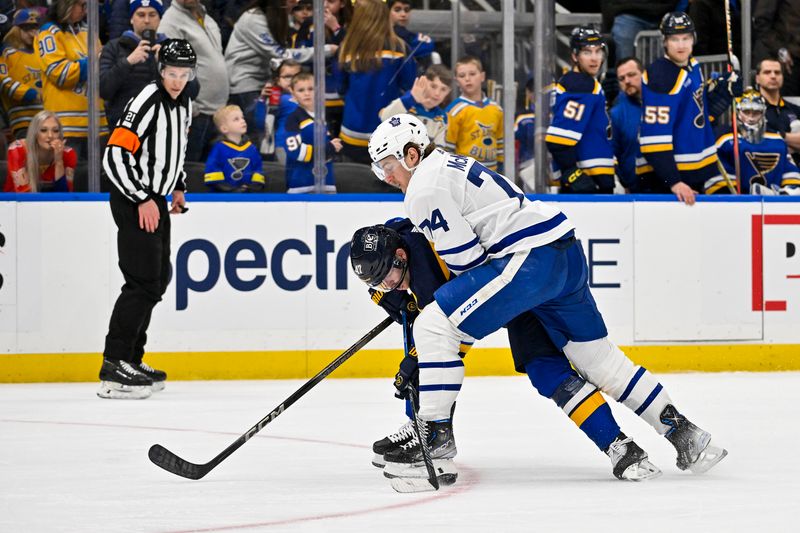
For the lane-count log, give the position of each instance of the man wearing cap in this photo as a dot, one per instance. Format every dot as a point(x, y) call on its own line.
point(128, 63)
point(20, 72)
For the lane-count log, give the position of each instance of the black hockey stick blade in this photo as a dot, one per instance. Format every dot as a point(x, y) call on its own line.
point(170, 462)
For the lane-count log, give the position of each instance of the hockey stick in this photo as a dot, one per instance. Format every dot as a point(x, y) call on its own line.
point(170, 462)
point(413, 484)
point(733, 101)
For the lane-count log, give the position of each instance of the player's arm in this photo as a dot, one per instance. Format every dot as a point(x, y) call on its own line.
point(435, 213)
point(724, 146)
point(570, 119)
point(790, 178)
point(657, 128)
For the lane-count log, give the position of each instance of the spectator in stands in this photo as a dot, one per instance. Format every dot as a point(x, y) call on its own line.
point(21, 88)
point(338, 14)
point(188, 19)
point(275, 106)
point(626, 116)
point(420, 46)
point(301, 12)
point(128, 62)
point(764, 162)
point(41, 162)
point(119, 18)
point(234, 163)
point(260, 35)
point(524, 139)
point(424, 101)
point(782, 117)
point(475, 121)
point(299, 143)
point(62, 45)
point(775, 26)
point(578, 138)
point(712, 33)
point(632, 16)
point(376, 70)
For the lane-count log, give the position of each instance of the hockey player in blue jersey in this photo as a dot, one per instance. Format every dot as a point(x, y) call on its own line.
point(676, 137)
point(509, 255)
point(398, 262)
point(763, 155)
point(579, 137)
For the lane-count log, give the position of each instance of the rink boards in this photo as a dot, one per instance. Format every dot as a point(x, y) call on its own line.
point(261, 285)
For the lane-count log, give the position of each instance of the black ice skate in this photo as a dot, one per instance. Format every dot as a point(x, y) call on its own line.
point(121, 380)
point(157, 376)
point(629, 461)
point(392, 442)
point(696, 453)
point(407, 461)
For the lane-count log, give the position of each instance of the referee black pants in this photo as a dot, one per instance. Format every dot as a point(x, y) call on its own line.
point(144, 262)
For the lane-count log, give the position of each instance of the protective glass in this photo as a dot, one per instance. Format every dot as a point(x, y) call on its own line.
point(179, 74)
point(385, 167)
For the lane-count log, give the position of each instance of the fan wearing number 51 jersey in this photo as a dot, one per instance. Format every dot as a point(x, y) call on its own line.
point(510, 255)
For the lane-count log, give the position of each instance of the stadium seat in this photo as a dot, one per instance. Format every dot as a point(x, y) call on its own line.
point(355, 177)
point(3, 172)
point(195, 177)
point(274, 176)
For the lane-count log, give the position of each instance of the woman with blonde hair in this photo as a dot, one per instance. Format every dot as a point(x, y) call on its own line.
point(41, 162)
point(376, 70)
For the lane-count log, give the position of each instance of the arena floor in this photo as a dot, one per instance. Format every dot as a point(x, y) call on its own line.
point(70, 462)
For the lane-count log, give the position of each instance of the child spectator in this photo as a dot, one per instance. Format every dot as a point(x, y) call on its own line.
point(22, 73)
point(274, 106)
point(234, 163)
point(376, 70)
point(41, 162)
point(300, 140)
point(424, 101)
point(475, 122)
point(420, 46)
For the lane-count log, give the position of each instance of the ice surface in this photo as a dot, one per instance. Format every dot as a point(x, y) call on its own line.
point(72, 462)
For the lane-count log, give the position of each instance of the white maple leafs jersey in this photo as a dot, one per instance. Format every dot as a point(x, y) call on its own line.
point(472, 214)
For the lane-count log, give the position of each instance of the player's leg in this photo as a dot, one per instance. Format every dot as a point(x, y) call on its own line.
point(551, 374)
point(574, 316)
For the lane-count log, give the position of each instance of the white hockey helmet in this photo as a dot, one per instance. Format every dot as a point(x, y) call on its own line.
point(391, 137)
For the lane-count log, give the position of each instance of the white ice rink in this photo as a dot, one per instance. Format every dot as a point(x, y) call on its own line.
point(70, 462)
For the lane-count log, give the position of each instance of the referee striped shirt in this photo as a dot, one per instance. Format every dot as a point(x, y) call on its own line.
point(145, 154)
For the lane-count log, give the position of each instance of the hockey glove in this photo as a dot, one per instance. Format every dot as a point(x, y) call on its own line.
point(394, 303)
point(578, 182)
point(408, 375)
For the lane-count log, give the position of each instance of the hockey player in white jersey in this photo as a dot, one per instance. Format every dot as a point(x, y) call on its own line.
point(510, 255)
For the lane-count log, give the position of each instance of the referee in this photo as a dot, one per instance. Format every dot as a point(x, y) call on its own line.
point(144, 160)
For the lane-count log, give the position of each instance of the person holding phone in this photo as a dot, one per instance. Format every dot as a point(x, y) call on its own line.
point(128, 63)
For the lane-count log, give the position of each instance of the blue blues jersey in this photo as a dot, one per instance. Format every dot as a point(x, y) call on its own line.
point(299, 146)
point(231, 165)
point(369, 92)
point(580, 133)
point(285, 108)
point(626, 115)
point(676, 137)
point(524, 135)
point(767, 161)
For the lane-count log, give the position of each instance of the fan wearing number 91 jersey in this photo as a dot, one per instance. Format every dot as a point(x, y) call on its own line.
point(299, 146)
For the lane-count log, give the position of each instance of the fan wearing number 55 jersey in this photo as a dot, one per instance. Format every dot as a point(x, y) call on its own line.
point(510, 255)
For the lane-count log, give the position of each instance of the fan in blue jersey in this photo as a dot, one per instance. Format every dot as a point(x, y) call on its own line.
point(398, 252)
point(299, 143)
point(510, 255)
point(579, 137)
point(763, 156)
point(234, 163)
point(676, 137)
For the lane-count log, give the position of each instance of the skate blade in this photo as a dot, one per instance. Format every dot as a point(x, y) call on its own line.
point(408, 485)
point(116, 391)
point(443, 467)
point(642, 471)
point(158, 386)
point(708, 458)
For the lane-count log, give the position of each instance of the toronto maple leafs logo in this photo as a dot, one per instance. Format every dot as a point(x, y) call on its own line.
point(394, 121)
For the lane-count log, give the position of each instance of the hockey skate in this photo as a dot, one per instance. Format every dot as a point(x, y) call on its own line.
point(120, 380)
point(696, 453)
point(629, 461)
point(392, 442)
point(157, 376)
point(407, 460)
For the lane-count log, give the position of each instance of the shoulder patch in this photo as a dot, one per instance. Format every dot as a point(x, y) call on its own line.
point(577, 82)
